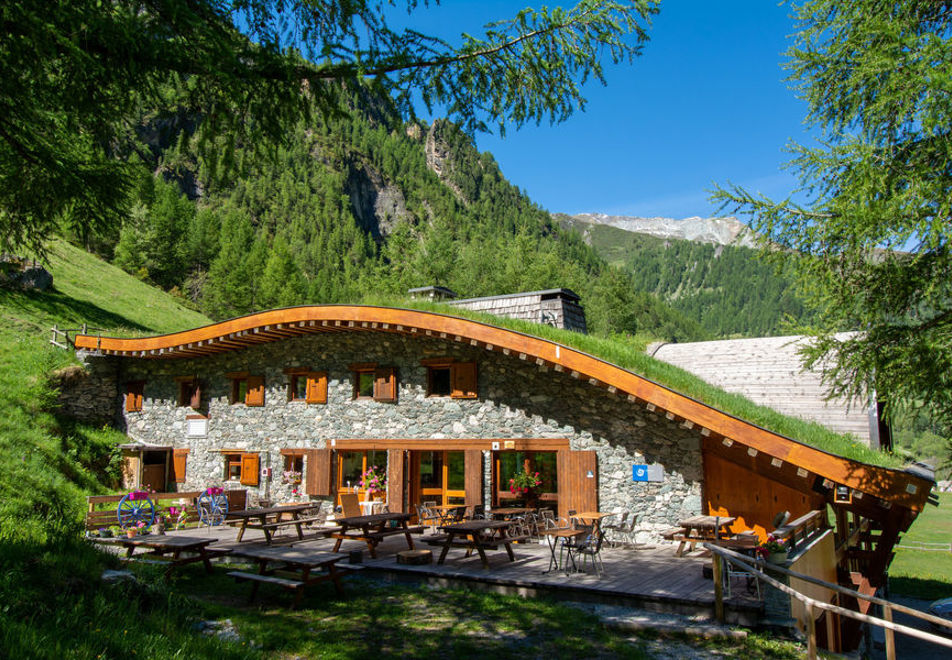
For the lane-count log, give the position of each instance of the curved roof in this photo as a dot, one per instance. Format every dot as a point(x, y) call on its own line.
point(894, 486)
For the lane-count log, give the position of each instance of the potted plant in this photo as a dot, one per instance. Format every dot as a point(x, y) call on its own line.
point(374, 480)
point(292, 477)
point(773, 550)
point(114, 530)
point(526, 483)
point(131, 532)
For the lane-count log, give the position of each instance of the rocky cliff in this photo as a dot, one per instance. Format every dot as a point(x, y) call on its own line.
point(718, 231)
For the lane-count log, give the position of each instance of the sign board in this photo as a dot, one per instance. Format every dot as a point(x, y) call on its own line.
point(509, 444)
point(653, 472)
point(197, 426)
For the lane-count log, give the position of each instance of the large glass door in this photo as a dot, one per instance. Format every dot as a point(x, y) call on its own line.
point(439, 476)
point(352, 464)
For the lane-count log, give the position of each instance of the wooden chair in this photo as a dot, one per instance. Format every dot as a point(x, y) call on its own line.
point(350, 505)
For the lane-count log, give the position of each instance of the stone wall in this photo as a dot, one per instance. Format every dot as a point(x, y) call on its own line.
point(517, 399)
point(88, 393)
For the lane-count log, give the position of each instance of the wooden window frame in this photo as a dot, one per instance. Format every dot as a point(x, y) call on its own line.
point(248, 464)
point(135, 389)
point(315, 385)
point(254, 388)
point(462, 376)
point(380, 375)
point(339, 484)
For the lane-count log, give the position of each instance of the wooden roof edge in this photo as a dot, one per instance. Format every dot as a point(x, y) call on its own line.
point(894, 485)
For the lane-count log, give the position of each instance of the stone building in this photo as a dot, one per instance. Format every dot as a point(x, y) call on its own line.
point(560, 308)
point(306, 399)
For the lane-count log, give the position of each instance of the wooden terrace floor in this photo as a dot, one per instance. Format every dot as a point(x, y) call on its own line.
point(647, 577)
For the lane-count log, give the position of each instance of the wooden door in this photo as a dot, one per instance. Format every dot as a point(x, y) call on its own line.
point(578, 481)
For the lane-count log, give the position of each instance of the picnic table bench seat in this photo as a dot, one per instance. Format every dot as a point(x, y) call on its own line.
point(672, 533)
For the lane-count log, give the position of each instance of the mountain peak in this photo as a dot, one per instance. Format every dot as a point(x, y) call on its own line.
point(719, 231)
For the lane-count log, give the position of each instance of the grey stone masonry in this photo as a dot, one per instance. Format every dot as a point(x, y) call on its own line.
point(556, 307)
point(516, 399)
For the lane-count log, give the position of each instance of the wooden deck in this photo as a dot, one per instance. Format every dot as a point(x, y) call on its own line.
point(649, 577)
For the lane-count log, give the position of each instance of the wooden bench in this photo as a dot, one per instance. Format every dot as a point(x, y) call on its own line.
point(670, 533)
point(296, 581)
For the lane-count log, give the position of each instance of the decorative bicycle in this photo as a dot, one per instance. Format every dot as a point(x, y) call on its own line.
point(212, 506)
point(135, 508)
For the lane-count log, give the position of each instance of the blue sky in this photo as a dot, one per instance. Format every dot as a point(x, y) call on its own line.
point(705, 103)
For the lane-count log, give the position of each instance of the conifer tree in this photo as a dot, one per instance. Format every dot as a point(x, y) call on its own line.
point(874, 215)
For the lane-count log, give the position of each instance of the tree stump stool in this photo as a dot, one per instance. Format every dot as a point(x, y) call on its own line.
point(415, 557)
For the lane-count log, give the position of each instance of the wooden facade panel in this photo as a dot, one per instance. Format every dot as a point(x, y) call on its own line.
point(395, 480)
point(473, 476)
point(463, 376)
point(759, 500)
point(316, 387)
point(255, 394)
point(249, 469)
point(385, 384)
point(179, 458)
point(318, 478)
point(577, 490)
point(134, 391)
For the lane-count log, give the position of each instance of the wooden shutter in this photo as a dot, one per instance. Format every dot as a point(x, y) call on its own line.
point(317, 477)
point(463, 379)
point(134, 396)
point(473, 476)
point(577, 490)
point(255, 395)
point(385, 384)
point(195, 403)
point(249, 469)
point(317, 387)
point(178, 465)
point(395, 495)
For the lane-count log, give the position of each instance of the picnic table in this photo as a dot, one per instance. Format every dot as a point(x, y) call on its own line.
point(552, 537)
point(698, 529)
point(478, 535)
point(509, 512)
point(373, 529)
point(183, 549)
point(272, 518)
point(298, 567)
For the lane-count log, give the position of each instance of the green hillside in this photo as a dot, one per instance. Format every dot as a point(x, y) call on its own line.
point(729, 291)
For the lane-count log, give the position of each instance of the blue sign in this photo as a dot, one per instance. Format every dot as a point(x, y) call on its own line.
point(639, 473)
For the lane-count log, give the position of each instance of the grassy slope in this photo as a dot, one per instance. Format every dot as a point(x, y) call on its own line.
point(925, 573)
point(46, 461)
point(628, 352)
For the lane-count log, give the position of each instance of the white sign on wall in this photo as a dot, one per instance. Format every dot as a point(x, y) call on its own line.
point(197, 426)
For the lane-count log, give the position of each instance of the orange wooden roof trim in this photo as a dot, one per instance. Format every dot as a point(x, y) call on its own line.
point(895, 486)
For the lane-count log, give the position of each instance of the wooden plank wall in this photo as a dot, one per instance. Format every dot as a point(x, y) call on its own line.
point(577, 491)
point(473, 477)
point(731, 489)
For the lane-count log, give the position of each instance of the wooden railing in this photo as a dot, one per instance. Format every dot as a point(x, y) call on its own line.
point(61, 336)
point(797, 532)
point(756, 566)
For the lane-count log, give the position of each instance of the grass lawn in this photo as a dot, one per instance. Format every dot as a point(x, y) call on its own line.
point(158, 620)
point(923, 573)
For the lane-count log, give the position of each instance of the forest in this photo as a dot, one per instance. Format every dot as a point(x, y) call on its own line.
point(348, 208)
point(730, 291)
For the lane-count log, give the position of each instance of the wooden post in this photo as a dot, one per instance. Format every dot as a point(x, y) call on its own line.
point(811, 631)
point(890, 635)
point(718, 587)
